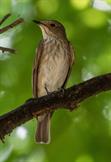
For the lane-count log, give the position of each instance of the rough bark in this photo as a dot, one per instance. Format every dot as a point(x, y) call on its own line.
point(69, 98)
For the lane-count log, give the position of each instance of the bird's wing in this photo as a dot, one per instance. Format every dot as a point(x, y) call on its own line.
point(71, 61)
point(35, 68)
point(71, 54)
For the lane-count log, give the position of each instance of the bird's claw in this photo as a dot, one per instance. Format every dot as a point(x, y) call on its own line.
point(61, 90)
point(47, 91)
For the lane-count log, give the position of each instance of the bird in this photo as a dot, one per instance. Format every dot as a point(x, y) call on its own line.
point(52, 66)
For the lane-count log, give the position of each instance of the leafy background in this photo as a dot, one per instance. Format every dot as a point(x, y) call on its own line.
point(80, 136)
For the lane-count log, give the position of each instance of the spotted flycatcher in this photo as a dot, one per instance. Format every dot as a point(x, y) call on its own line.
point(52, 65)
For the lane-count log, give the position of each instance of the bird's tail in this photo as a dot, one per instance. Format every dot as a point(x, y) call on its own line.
point(43, 130)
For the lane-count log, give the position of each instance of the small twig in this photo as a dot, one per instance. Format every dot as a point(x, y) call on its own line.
point(4, 49)
point(4, 18)
point(15, 23)
point(4, 29)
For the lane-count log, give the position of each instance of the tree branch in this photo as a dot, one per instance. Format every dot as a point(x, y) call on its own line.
point(6, 28)
point(4, 18)
point(69, 98)
point(4, 49)
point(15, 23)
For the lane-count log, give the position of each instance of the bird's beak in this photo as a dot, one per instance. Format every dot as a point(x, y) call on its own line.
point(37, 22)
point(40, 23)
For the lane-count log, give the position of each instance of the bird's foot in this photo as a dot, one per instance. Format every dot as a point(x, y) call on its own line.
point(61, 89)
point(47, 91)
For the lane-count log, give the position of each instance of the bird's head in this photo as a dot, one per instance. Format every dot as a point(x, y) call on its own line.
point(51, 28)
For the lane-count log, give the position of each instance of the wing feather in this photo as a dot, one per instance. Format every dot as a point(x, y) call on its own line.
point(71, 61)
point(35, 69)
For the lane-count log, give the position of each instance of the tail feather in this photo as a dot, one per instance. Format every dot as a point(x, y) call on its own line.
point(43, 129)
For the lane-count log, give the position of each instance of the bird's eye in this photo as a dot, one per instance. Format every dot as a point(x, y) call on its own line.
point(53, 25)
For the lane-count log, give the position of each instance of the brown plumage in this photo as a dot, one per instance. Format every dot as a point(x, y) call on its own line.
point(53, 61)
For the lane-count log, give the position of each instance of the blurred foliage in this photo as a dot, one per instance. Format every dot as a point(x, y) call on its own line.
point(80, 136)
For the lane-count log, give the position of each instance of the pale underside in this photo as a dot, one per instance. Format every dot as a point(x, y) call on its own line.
point(53, 67)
